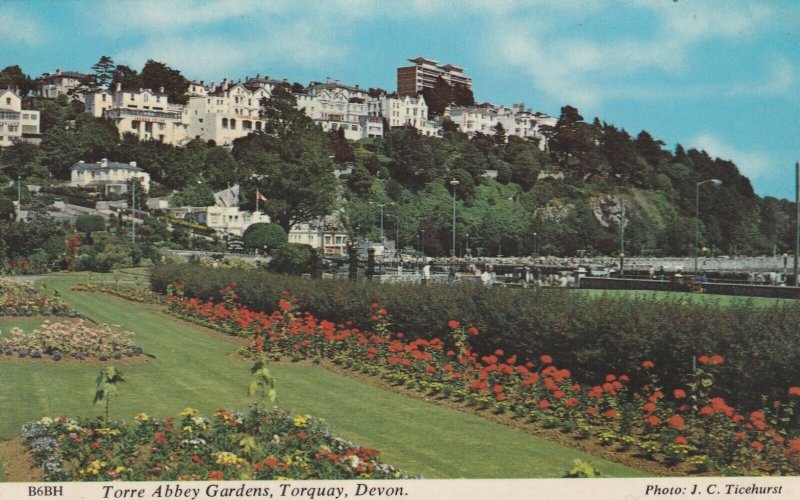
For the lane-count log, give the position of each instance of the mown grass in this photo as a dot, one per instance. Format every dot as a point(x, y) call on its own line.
point(194, 368)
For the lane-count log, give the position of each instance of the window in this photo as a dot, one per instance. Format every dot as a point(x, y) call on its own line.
point(103, 98)
point(26, 116)
point(146, 97)
point(233, 123)
point(353, 127)
point(8, 100)
point(224, 123)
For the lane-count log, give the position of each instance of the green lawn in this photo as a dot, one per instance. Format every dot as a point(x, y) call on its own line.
point(191, 369)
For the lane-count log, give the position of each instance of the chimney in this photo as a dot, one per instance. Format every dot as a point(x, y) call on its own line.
point(327, 79)
point(160, 90)
point(337, 82)
point(258, 76)
point(202, 83)
point(104, 162)
point(58, 71)
point(133, 164)
point(119, 87)
point(213, 87)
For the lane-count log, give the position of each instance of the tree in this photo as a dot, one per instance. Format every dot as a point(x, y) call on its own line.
point(499, 134)
point(462, 95)
point(264, 236)
point(127, 78)
point(107, 380)
point(156, 75)
point(103, 72)
point(89, 224)
point(7, 211)
point(12, 77)
point(288, 163)
point(438, 97)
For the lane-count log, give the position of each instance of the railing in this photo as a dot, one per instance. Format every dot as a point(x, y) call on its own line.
point(144, 113)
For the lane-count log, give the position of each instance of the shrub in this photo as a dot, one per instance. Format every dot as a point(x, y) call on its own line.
point(593, 334)
point(70, 338)
point(269, 236)
point(291, 259)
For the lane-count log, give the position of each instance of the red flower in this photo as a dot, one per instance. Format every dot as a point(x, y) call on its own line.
point(498, 352)
point(544, 404)
point(794, 391)
point(497, 389)
point(778, 439)
point(611, 378)
point(472, 330)
point(757, 445)
point(681, 440)
point(95, 444)
point(453, 324)
point(793, 448)
point(271, 462)
point(706, 411)
point(572, 402)
point(612, 413)
point(559, 394)
point(374, 306)
point(647, 365)
point(653, 420)
point(624, 378)
point(196, 459)
point(716, 359)
point(679, 393)
point(649, 407)
point(676, 422)
point(703, 359)
point(160, 437)
point(739, 436)
point(592, 410)
point(546, 359)
point(382, 312)
point(216, 475)
point(500, 396)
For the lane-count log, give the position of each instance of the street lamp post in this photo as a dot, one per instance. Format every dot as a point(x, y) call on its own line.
point(466, 250)
point(381, 205)
point(423, 242)
point(716, 182)
point(535, 253)
point(454, 183)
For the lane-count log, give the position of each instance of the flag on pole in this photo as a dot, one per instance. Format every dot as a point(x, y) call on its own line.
point(261, 197)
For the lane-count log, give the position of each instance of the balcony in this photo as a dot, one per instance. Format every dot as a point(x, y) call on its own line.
point(117, 113)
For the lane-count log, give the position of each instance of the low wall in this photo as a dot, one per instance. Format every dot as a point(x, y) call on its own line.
point(785, 292)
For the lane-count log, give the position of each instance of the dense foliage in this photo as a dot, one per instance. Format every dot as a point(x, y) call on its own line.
point(593, 335)
point(512, 198)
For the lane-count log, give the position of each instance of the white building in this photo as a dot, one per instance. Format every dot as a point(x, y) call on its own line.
point(144, 113)
point(227, 112)
point(17, 124)
point(111, 177)
point(326, 234)
point(516, 120)
point(340, 109)
point(60, 83)
point(404, 112)
point(227, 220)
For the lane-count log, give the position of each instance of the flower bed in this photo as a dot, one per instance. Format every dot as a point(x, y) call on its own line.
point(71, 338)
point(17, 299)
point(689, 424)
point(134, 293)
point(258, 445)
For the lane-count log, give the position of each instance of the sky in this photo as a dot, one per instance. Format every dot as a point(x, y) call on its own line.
point(718, 75)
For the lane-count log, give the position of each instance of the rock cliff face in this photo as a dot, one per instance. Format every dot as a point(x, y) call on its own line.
point(608, 209)
point(556, 210)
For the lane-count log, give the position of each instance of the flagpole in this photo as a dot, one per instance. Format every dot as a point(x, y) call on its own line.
point(257, 193)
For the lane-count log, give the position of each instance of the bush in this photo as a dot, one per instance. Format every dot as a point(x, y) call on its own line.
point(593, 334)
point(269, 236)
point(291, 259)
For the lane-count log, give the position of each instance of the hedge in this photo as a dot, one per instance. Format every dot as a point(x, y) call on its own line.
point(593, 335)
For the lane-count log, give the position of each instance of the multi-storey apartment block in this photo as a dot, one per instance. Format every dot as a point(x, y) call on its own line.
point(144, 113)
point(17, 124)
point(411, 80)
point(335, 107)
point(59, 83)
point(227, 112)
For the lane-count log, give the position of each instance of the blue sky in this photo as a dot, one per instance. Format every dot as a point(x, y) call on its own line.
point(719, 75)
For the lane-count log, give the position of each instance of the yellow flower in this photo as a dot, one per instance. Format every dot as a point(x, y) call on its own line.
point(142, 417)
point(187, 412)
point(300, 421)
point(228, 458)
point(188, 429)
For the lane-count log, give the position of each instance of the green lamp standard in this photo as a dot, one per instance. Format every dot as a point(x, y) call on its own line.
point(716, 182)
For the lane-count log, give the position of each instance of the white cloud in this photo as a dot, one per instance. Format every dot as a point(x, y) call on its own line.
point(25, 29)
point(214, 57)
point(751, 164)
